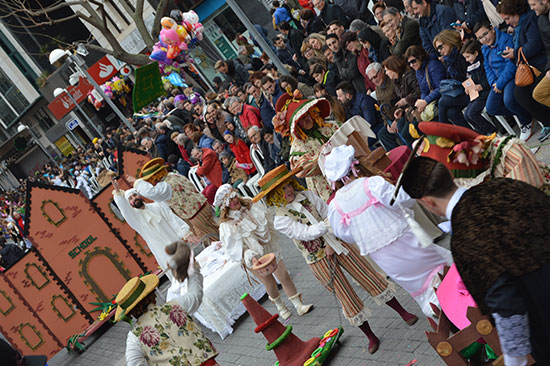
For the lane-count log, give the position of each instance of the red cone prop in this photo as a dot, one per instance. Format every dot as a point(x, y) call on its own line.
point(289, 349)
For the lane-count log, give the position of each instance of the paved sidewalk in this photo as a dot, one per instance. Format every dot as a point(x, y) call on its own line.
point(399, 345)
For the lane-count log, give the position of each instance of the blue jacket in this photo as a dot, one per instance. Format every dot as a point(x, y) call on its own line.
point(162, 150)
point(364, 105)
point(498, 69)
point(266, 110)
point(456, 65)
point(281, 14)
point(205, 142)
point(470, 11)
point(431, 25)
point(436, 73)
point(530, 41)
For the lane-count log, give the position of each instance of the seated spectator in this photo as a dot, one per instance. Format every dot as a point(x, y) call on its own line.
point(357, 9)
point(406, 31)
point(378, 48)
point(209, 167)
point(185, 145)
point(215, 119)
point(294, 37)
point(235, 128)
point(271, 93)
point(407, 90)
point(328, 78)
point(220, 147)
point(179, 165)
point(282, 51)
point(359, 104)
point(346, 61)
point(247, 115)
point(288, 82)
point(274, 144)
point(378, 8)
point(330, 12)
point(516, 14)
point(241, 152)
point(199, 139)
point(433, 18)
point(237, 174)
point(257, 143)
point(337, 110)
point(352, 44)
point(233, 71)
point(469, 13)
point(310, 22)
point(9, 253)
point(316, 41)
point(448, 44)
point(500, 74)
point(429, 73)
point(308, 52)
point(471, 50)
point(337, 28)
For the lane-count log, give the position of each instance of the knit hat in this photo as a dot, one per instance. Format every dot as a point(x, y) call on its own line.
point(135, 290)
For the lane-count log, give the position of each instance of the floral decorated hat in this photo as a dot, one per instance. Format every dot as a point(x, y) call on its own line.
point(133, 292)
point(460, 149)
point(291, 107)
point(151, 170)
point(273, 179)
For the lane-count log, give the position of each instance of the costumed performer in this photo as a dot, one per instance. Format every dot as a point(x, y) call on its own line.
point(473, 158)
point(304, 121)
point(156, 184)
point(361, 213)
point(302, 216)
point(500, 246)
point(246, 236)
point(155, 222)
point(165, 334)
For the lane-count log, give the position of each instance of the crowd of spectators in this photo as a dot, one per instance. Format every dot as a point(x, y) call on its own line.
point(394, 63)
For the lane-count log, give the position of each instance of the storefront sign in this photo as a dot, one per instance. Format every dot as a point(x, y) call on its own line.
point(71, 125)
point(63, 104)
point(148, 86)
point(216, 36)
point(104, 69)
point(80, 247)
point(64, 146)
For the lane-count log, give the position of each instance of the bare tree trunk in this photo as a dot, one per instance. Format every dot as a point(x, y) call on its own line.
point(161, 11)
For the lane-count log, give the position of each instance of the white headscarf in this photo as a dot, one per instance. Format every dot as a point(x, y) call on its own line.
point(130, 192)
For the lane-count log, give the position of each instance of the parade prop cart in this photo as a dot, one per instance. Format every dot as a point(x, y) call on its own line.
point(82, 254)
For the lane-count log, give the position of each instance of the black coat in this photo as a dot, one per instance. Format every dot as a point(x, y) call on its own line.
point(294, 40)
point(346, 62)
point(236, 72)
point(543, 22)
point(333, 12)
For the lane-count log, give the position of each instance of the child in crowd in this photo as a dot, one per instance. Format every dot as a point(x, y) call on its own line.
point(237, 174)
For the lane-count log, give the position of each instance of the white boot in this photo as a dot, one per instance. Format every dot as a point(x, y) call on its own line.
point(301, 309)
point(281, 307)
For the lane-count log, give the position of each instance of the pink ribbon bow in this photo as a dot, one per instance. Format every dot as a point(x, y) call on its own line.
point(345, 220)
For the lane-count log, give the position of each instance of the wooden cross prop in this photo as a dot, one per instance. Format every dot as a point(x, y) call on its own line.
point(448, 346)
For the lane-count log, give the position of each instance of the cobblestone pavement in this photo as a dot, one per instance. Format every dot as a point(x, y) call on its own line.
point(399, 345)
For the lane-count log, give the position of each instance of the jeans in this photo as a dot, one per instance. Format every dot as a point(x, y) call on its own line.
point(524, 96)
point(450, 109)
point(475, 119)
point(505, 104)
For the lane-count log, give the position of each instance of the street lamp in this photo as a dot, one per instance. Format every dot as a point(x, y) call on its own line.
point(58, 55)
point(58, 91)
point(22, 128)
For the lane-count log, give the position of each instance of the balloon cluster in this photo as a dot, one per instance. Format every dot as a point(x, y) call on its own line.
point(114, 87)
point(175, 40)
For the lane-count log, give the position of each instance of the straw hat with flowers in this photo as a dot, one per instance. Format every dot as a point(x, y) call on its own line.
point(273, 179)
point(153, 170)
point(133, 292)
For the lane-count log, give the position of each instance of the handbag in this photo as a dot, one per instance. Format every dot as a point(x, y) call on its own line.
point(451, 88)
point(431, 109)
point(525, 73)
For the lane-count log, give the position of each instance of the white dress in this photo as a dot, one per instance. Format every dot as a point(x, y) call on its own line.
point(360, 213)
point(249, 234)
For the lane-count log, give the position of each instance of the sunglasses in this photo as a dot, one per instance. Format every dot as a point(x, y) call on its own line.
point(439, 48)
point(412, 61)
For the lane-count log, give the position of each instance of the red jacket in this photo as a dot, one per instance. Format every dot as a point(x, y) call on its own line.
point(242, 155)
point(362, 63)
point(250, 117)
point(210, 167)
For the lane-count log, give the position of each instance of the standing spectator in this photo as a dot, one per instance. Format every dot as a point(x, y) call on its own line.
point(209, 167)
point(293, 36)
point(448, 44)
point(526, 37)
point(406, 31)
point(329, 12)
point(500, 74)
point(248, 115)
point(433, 18)
point(471, 50)
point(233, 71)
point(429, 73)
point(280, 14)
point(284, 54)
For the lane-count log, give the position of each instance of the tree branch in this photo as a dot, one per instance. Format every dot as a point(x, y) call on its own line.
point(141, 27)
point(160, 12)
point(124, 56)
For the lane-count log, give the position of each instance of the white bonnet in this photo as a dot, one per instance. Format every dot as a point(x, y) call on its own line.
point(339, 162)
